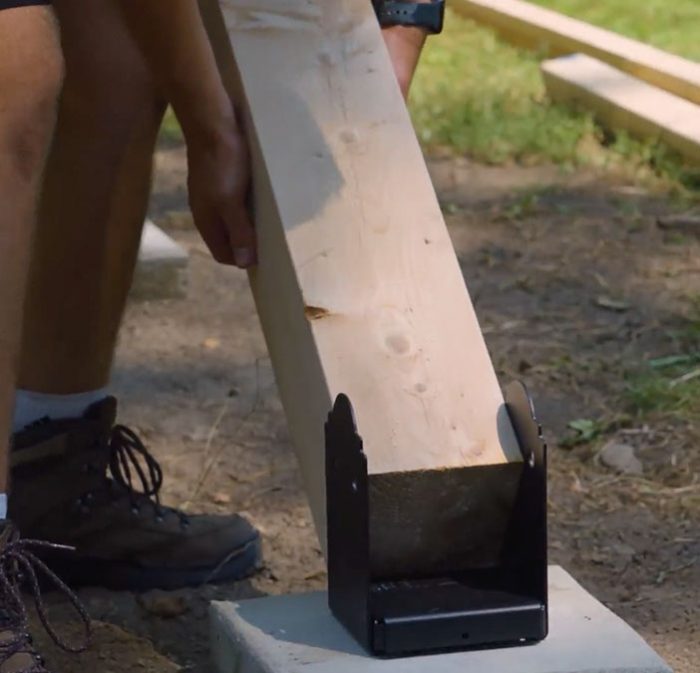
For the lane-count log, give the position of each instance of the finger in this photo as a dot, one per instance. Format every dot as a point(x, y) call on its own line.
point(241, 235)
point(216, 238)
point(221, 251)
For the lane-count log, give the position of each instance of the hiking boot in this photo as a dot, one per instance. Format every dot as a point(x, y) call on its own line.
point(19, 566)
point(90, 484)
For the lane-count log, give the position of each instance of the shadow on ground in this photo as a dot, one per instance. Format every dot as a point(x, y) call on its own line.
point(575, 286)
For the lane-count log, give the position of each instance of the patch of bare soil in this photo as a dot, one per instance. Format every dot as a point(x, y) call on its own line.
point(574, 285)
point(112, 650)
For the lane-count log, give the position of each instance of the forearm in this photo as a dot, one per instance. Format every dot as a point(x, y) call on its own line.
point(172, 37)
point(405, 46)
point(406, 24)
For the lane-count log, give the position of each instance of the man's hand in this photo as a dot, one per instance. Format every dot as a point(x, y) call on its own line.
point(175, 44)
point(404, 45)
point(218, 188)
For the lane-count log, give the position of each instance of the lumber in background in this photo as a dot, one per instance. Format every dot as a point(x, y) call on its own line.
point(555, 34)
point(161, 269)
point(624, 102)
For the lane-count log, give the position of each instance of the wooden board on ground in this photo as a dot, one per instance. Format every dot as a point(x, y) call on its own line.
point(624, 102)
point(554, 34)
point(359, 289)
point(161, 270)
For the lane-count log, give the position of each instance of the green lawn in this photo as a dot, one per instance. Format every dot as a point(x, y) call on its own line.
point(480, 96)
point(671, 384)
point(170, 131)
point(668, 24)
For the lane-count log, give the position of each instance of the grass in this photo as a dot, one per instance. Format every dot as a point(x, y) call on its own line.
point(170, 131)
point(477, 95)
point(665, 393)
point(667, 25)
point(660, 389)
point(670, 384)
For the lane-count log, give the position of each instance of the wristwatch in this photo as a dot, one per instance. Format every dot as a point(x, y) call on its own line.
point(427, 15)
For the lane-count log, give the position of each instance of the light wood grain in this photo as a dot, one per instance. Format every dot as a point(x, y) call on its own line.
point(624, 102)
point(555, 34)
point(358, 288)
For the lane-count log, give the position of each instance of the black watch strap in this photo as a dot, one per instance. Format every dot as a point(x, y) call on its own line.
point(427, 15)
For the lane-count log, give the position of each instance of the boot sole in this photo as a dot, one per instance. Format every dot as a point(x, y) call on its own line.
point(82, 571)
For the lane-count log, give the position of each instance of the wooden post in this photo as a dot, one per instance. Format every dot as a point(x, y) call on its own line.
point(358, 288)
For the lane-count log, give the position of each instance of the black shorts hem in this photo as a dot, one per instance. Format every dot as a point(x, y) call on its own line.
point(13, 4)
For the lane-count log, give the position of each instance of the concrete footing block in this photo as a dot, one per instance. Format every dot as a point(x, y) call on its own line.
point(161, 270)
point(297, 633)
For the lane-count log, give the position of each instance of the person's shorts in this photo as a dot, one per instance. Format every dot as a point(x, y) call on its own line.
point(11, 4)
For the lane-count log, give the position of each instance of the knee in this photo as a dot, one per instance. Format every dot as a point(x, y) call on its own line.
point(29, 114)
point(43, 89)
point(114, 95)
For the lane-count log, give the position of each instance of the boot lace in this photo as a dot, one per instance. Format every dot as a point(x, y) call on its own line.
point(20, 566)
point(135, 470)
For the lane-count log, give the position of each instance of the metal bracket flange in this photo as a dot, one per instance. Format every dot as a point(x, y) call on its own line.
point(462, 600)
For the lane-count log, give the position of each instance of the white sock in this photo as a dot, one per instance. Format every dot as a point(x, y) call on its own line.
point(3, 506)
point(31, 406)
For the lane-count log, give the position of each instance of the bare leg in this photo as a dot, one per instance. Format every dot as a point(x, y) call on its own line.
point(30, 80)
point(90, 219)
point(95, 197)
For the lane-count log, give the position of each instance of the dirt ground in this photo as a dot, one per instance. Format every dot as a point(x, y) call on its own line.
point(574, 285)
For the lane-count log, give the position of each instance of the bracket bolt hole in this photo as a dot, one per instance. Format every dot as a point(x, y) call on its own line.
point(465, 636)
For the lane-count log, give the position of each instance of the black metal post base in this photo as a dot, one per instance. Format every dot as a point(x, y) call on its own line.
point(453, 603)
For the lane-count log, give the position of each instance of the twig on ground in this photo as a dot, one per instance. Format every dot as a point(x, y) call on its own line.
point(211, 461)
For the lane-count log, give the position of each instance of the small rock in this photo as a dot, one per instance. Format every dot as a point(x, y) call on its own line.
point(621, 457)
point(622, 549)
point(631, 190)
point(524, 366)
point(611, 304)
point(221, 499)
point(686, 222)
point(177, 220)
point(163, 604)
point(597, 557)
